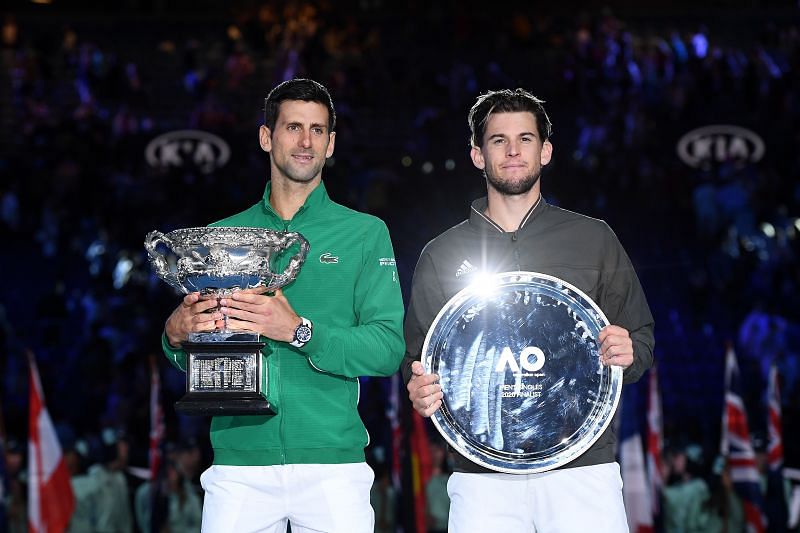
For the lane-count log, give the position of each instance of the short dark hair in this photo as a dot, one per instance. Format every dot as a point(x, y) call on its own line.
point(507, 101)
point(297, 89)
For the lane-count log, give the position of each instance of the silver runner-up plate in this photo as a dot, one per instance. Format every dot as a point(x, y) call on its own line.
point(519, 365)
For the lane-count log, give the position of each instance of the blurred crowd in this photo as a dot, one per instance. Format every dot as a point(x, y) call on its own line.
point(81, 96)
point(110, 494)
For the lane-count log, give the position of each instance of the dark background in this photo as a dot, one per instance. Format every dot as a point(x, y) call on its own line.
point(84, 86)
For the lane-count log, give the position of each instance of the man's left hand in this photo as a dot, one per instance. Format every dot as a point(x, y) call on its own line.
point(616, 346)
point(270, 316)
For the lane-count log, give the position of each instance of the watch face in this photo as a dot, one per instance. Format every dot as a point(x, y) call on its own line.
point(303, 333)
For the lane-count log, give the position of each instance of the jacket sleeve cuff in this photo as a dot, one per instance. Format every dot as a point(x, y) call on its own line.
point(318, 342)
point(175, 355)
point(633, 373)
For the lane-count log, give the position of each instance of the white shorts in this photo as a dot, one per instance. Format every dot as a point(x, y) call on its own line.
point(318, 497)
point(570, 500)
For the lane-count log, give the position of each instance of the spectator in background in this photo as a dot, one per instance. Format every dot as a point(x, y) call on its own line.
point(111, 484)
point(189, 460)
point(84, 488)
point(724, 505)
point(16, 500)
point(382, 498)
point(437, 502)
point(177, 503)
point(686, 495)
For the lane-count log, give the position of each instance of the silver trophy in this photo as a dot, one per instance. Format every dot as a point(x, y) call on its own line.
point(519, 365)
point(224, 367)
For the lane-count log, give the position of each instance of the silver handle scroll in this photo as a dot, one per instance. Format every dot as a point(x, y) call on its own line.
point(159, 262)
point(296, 261)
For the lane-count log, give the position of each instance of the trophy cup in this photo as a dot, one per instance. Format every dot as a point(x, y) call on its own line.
point(518, 362)
point(224, 367)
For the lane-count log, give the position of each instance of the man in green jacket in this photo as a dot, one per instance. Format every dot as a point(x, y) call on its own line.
point(304, 464)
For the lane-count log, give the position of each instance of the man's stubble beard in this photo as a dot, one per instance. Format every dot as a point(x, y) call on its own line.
point(514, 188)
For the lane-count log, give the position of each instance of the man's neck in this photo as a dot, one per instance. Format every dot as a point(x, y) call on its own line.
point(509, 211)
point(287, 196)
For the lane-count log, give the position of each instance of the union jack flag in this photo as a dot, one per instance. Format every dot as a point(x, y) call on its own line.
point(775, 506)
point(774, 429)
point(655, 440)
point(738, 449)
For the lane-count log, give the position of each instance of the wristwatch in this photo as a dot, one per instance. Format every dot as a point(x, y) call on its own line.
point(302, 333)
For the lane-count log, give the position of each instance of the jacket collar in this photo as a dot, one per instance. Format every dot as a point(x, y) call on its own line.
point(314, 202)
point(478, 218)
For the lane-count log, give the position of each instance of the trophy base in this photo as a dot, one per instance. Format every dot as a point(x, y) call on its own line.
point(223, 404)
point(224, 379)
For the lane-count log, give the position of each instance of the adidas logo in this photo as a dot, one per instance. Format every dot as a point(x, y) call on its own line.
point(465, 268)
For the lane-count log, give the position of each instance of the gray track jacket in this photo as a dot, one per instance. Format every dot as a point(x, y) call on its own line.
point(581, 250)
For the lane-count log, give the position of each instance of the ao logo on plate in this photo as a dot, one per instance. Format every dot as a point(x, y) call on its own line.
point(530, 359)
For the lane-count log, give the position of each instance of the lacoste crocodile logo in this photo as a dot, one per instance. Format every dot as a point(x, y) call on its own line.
point(328, 258)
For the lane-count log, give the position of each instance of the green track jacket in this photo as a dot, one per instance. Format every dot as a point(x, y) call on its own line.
point(349, 288)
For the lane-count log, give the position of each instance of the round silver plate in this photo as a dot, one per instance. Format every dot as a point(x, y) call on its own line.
point(518, 361)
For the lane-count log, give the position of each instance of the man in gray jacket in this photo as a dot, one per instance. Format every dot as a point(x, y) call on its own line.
point(514, 228)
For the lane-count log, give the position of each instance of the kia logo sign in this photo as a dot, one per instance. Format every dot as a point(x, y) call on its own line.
point(188, 149)
point(718, 143)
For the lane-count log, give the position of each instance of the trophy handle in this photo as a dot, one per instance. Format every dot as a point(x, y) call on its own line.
point(151, 241)
point(288, 275)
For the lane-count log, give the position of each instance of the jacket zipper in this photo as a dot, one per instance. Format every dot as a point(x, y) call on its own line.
point(286, 224)
point(277, 366)
point(286, 227)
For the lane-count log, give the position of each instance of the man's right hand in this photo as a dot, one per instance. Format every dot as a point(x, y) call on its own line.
point(191, 316)
point(424, 390)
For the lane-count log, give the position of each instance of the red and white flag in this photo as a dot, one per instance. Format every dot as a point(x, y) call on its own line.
point(421, 468)
point(156, 419)
point(50, 498)
point(655, 441)
point(635, 489)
